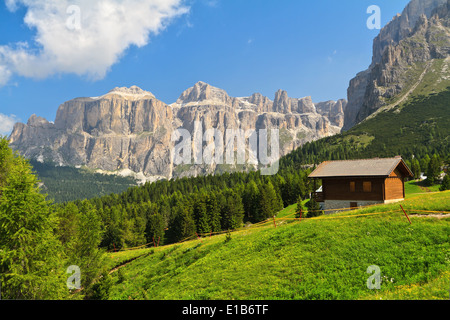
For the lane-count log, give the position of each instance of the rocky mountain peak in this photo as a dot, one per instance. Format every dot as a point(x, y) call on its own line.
point(403, 25)
point(130, 90)
point(419, 35)
point(129, 129)
point(133, 93)
point(284, 104)
point(202, 92)
point(35, 121)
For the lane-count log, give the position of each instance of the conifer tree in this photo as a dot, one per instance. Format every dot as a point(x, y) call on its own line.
point(434, 169)
point(32, 261)
point(201, 214)
point(183, 224)
point(314, 209)
point(251, 201)
point(86, 254)
point(445, 183)
point(415, 168)
point(232, 210)
point(213, 210)
point(269, 202)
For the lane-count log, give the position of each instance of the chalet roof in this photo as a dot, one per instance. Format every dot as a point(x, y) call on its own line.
point(360, 168)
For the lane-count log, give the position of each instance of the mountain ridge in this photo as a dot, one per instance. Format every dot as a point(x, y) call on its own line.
point(412, 37)
point(130, 129)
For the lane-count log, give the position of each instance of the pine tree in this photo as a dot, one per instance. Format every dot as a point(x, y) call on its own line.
point(269, 202)
point(232, 210)
point(415, 168)
point(201, 214)
point(155, 227)
point(424, 162)
point(445, 183)
point(113, 234)
point(434, 169)
point(213, 210)
point(251, 199)
point(314, 209)
point(32, 261)
point(183, 224)
point(67, 230)
point(87, 255)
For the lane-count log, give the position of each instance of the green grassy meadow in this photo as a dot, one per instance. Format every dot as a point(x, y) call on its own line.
point(412, 188)
point(318, 258)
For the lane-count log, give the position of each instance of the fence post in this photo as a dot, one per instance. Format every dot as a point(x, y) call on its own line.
point(405, 214)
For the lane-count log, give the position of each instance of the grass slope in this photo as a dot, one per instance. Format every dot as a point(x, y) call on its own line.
point(415, 187)
point(319, 258)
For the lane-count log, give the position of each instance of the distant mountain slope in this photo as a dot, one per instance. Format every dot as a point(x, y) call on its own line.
point(63, 184)
point(400, 105)
point(416, 127)
point(403, 53)
point(130, 129)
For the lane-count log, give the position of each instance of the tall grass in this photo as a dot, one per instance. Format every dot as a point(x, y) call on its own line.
point(319, 258)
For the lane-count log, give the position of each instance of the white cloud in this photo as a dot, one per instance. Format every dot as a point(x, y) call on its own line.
point(7, 123)
point(211, 3)
point(5, 74)
point(83, 37)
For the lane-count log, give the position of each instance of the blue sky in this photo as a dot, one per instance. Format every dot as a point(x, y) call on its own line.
point(308, 48)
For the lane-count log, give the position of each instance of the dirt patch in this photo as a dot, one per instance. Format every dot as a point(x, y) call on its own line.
point(437, 216)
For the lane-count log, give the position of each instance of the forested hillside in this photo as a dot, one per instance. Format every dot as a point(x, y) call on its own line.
point(171, 211)
point(419, 127)
point(64, 184)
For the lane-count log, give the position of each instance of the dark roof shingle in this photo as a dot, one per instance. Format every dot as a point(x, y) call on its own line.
point(358, 168)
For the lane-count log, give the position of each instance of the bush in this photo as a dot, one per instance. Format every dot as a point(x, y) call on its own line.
point(228, 236)
point(445, 183)
point(120, 275)
point(314, 209)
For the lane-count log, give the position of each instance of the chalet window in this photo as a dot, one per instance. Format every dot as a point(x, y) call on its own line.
point(352, 186)
point(367, 186)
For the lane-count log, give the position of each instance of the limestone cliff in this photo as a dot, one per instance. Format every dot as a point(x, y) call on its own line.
point(130, 129)
point(417, 36)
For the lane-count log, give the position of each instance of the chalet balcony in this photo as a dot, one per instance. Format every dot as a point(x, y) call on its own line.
point(318, 196)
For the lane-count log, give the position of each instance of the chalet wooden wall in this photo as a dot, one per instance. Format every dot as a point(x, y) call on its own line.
point(339, 189)
point(394, 188)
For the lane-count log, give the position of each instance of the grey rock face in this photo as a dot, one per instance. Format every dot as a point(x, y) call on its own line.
point(129, 129)
point(409, 38)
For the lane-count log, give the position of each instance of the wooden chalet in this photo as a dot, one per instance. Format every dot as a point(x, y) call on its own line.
point(355, 183)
